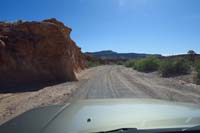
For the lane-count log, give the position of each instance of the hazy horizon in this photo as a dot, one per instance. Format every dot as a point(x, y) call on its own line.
point(140, 52)
point(141, 26)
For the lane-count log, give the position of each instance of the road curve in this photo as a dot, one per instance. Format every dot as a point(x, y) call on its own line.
point(114, 81)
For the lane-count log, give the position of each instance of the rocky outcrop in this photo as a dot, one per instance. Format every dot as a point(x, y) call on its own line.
point(37, 52)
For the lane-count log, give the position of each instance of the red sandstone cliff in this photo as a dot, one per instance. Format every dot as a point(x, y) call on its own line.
point(37, 52)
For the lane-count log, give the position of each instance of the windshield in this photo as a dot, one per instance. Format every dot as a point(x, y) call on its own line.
point(139, 53)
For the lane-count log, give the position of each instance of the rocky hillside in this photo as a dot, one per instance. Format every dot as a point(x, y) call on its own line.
point(108, 54)
point(37, 52)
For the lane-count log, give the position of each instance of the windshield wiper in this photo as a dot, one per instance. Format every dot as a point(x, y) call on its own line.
point(121, 130)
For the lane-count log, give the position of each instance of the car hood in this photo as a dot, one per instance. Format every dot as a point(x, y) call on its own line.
point(104, 115)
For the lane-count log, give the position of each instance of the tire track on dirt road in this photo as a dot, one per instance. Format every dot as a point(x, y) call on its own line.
point(112, 81)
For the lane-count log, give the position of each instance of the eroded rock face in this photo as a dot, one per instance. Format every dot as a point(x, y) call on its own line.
point(37, 52)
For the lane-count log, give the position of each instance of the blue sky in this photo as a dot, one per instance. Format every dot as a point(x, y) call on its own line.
point(143, 26)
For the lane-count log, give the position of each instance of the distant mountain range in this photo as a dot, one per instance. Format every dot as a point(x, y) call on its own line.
point(109, 54)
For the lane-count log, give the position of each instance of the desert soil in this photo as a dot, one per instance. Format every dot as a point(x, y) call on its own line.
point(109, 81)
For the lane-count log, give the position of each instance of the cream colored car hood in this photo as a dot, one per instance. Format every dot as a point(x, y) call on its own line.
point(107, 114)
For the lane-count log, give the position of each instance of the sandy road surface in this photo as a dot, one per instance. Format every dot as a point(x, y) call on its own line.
point(109, 81)
point(120, 82)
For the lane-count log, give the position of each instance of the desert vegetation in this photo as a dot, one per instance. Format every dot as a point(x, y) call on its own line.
point(148, 64)
point(176, 67)
point(168, 67)
point(130, 63)
point(197, 76)
point(92, 63)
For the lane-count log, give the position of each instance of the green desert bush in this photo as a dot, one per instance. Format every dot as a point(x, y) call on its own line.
point(174, 67)
point(197, 77)
point(120, 62)
point(166, 68)
point(92, 63)
point(130, 63)
point(148, 64)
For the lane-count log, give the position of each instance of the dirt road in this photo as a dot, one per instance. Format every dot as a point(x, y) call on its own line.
point(119, 82)
point(110, 81)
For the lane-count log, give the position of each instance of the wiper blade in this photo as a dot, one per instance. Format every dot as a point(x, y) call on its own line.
point(121, 130)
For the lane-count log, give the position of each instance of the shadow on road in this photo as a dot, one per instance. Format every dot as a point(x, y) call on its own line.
point(26, 87)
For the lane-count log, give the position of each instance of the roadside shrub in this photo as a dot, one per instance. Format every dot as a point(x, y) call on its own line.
point(197, 77)
point(120, 63)
point(130, 63)
point(148, 64)
point(166, 68)
point(92, 63)
point(174, 67)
